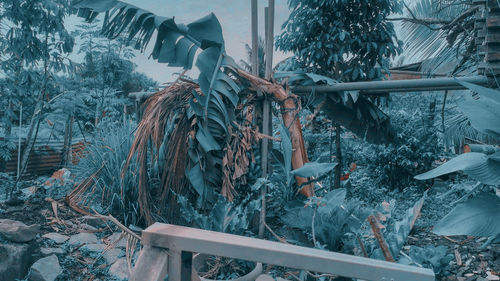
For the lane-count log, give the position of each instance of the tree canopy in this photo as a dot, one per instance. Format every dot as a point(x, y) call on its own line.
point(343, 39)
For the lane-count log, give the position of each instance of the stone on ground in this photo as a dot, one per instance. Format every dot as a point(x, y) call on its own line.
point(119, 269)
point(52, 251)
point(56, 237)
point(82, 238)
point(113, 240)
point(264, 277)
point(15, 261)
point(17, 231)
point(93, 248)
point(45, 269)
point(112, 255)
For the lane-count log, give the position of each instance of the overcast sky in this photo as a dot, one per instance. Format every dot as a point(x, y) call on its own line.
point(234, 16)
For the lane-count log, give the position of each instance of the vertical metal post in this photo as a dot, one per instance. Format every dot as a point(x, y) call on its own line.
point(19, 142)
point(266, 108)
point(255, 39)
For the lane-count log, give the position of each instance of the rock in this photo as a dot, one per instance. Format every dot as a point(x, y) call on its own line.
point(17, 231)
point(87, 227)
point(59, 177)
point(112, 255)
point(52, 251)
point(93, 248)
point(491, 277)
point(122, 243)
point(82, 238)
point(45, 269)
point(15, 261)
point(56, 237)
point(264, 277)
point(119, 269)
point(93, 221)
point(29, 191)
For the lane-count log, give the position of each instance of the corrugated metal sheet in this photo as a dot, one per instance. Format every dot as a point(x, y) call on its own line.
point(46, 156)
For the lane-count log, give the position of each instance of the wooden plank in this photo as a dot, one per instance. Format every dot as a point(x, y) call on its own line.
point(180, 265)
point(222, 244)
point(490, 57)
point(151, 265)
point(493, 22)
point(174, 264)
point(493, 38)
point(187, 265)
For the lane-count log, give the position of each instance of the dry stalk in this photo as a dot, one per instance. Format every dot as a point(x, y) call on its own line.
point(380, 238)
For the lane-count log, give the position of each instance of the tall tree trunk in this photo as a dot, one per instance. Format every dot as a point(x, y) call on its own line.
point(30, 139)
point(35, 118)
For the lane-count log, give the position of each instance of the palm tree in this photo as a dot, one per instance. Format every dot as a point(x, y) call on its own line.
point(440, 32)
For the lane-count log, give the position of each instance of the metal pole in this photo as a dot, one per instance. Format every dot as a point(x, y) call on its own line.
point(255, 38)
point(431, 84)
point(266, 109)
point(19, 142)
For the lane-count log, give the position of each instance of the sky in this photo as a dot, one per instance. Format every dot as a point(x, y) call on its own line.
point(234, 16)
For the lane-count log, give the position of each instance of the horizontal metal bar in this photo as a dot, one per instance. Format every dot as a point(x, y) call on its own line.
point(409, 85)
point(409, 72)
point(180, 238)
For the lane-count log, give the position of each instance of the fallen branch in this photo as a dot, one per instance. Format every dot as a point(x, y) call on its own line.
point(290, 108)
point(381, 241)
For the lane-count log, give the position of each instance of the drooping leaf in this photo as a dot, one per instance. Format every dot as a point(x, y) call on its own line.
point(360, 116)
point(286, 149)
point(313, 169)
point(197, 180)
point(302, 78)
point(483, 112)
point(207, 30)
point(175, 44)
point(206, 140)
point(478, 216)
point(436, 258)
point(485, 168)
point(335, 197)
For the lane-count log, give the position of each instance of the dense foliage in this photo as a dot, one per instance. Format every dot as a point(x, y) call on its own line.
point(193, 158)
point(345, 40)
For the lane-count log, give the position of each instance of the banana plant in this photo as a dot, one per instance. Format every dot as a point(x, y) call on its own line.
point(176, 45)
point(480, 215)
point(221, 82)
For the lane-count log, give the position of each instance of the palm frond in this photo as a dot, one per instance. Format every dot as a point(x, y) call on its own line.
point(427, 40)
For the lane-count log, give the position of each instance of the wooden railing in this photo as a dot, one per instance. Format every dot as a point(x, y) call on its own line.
point(168, 249)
